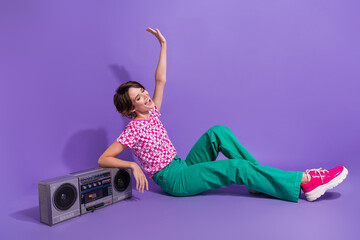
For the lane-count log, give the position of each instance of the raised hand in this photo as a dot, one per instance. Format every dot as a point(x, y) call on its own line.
point(157, 34)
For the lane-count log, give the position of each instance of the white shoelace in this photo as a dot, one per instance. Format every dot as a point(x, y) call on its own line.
point(318, 170)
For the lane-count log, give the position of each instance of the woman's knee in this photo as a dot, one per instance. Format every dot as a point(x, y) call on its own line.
point(219, 129)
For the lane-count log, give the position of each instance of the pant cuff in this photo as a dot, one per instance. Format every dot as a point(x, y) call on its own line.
point(297, 187)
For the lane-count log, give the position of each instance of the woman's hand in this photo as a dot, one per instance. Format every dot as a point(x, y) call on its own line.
point(140, 178)
point(157, 34)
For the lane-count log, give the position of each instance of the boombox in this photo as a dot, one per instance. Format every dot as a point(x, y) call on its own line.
point(78, 193)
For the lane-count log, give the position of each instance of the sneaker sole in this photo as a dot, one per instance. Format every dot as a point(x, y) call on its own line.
point(319, 191)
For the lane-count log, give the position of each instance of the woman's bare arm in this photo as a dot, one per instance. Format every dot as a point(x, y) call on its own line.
point(160, 73)
point(107, 159)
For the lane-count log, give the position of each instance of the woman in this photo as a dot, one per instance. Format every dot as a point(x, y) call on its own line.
point(149, 141)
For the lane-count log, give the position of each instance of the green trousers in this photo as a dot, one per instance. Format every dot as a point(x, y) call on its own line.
point(200, 172)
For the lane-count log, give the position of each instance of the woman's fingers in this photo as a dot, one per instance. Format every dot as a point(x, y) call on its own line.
point(150, 30)
point(141, 183)
point(144, 184)
point(156, 33)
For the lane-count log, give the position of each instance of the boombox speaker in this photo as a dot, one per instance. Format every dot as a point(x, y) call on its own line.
point(121, 183)
point(58, 199)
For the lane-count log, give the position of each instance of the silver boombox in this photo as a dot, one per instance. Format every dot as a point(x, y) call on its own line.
point(78, 193)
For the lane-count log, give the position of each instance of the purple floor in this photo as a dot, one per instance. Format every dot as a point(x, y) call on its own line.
point(225, 213)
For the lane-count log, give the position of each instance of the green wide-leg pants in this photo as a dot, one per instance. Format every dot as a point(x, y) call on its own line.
point(200, 172)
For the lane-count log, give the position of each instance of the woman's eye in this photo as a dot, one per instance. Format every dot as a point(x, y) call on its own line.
point(142, 91)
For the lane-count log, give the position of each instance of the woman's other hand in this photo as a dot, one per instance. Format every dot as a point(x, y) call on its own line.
point(140, 178)
point(157, 34)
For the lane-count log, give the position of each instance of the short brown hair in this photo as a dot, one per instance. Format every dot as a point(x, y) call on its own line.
point(122, 99)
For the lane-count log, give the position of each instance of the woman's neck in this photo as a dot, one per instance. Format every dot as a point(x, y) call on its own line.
point(140, 116)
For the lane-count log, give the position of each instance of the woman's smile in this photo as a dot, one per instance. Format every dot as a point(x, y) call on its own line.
point(148, 101)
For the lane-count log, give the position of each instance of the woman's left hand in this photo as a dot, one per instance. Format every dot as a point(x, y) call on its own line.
point(157, 34)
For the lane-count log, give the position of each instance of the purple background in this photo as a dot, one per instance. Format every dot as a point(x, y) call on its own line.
point(282, 75)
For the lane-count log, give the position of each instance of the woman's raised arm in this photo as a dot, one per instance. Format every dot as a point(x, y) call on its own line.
point(160, 73)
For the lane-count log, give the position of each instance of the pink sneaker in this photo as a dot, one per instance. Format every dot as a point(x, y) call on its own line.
point(323, 180)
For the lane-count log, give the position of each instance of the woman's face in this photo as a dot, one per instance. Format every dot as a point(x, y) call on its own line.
point(141, 100)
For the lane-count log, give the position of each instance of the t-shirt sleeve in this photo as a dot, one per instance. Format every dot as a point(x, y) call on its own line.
point(127, 137)
point(154, 112)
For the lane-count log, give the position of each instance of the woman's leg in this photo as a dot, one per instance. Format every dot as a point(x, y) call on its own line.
point(184, 180)
point(260, 178)
point(217, 139)
point(200, 172)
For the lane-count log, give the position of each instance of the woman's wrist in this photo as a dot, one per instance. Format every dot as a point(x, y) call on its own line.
point(133, 165)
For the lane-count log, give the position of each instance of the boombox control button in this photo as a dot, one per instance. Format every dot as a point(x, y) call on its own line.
point(93, 208)
point(99, 183)
point(84, 187)
point(89, 185)
point(94, 184)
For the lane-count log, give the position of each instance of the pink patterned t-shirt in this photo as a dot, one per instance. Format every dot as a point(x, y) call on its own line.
point(149, 142)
